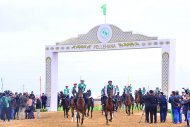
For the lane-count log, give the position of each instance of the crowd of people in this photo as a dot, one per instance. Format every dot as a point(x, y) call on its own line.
point(20, 106)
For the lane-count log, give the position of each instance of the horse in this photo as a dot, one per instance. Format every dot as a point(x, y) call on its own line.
point(109, 107)
point(103, 102)
point(73, 108)
point(80, 108)
point(128, 104)
point(90, 105)
point(138, 100)
point(118, 102)
point(65, 105)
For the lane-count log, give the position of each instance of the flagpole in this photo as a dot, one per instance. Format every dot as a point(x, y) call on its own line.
point(2, 84)
point(23, 88)
point(105, 19)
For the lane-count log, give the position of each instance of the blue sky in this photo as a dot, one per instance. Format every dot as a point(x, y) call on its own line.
point(27, 26)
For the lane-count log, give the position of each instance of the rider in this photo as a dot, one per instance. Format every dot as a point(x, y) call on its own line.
point(140, 92)
point(82, 88)
point(143, 91)
point(103, 95)
point(89, 95)
point(130, 88)
point(74, 90)
point(110, 87)
point(117, 93)
point(117, 90)
point(157, 91)
point(66, 93)
point(127, 89)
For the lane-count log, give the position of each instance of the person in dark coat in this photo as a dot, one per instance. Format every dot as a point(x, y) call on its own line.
point(44, 101)
point(171, 101)
point(146, 100)
point(38, 107)
point(177, 108)
point(153, 107)
point(163, 107)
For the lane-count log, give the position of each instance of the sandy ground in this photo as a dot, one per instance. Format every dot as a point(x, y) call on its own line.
point(55, 119)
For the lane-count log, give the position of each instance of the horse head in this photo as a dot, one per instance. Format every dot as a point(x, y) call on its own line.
point(80, 94)
point(111, 93)
point(128, 99)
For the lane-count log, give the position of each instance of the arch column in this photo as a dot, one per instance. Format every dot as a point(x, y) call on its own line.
point(51, 80)
point(168, 68)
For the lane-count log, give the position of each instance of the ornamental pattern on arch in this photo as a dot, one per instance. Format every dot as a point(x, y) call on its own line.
point(48, 80)
point(165, 72)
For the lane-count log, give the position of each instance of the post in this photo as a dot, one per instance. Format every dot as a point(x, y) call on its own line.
point(168, 68)
point(51, 79)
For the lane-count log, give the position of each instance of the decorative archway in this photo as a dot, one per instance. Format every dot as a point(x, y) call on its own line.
point(108, 37)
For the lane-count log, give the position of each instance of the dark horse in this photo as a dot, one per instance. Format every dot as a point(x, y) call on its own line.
point(118, 102)
point(73, 107)
point(128, 104)
point(80, 107)
point(65, 104)
point(90, 105)
point(109, 107)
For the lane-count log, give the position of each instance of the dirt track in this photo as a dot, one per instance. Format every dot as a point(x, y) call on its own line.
point(55, 119)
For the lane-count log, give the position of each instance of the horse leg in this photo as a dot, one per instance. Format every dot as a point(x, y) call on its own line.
point(129, 110)
point(72, 112)
point(77, 118)
point(88, 111)
point(82, 118)
point(106, 115)
point(110, 116)
point(64, 112)
point(67, 112)
point(126, 108)
point(132, 108)
point(137, 105)
point(91, 111)
point(103, 109)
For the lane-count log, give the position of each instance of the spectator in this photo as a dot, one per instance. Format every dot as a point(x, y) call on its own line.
point(38, 107)
point(163, 107)
point(171, 101)
point(17, 105)
point(30, 109)
point(32, 95)
point(12, 105)
point(22, 106)
point(177, 108)
point(5, 102)
point(44, 101)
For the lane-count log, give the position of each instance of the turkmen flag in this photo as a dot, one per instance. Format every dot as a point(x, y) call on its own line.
point(103, 7)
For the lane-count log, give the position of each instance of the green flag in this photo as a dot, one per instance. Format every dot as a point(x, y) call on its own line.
point(104, 9)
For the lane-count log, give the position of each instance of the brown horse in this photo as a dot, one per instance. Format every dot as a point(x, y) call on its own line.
point(80, 108)
point(128, 104)
point(138, 101)
point(109, 107)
